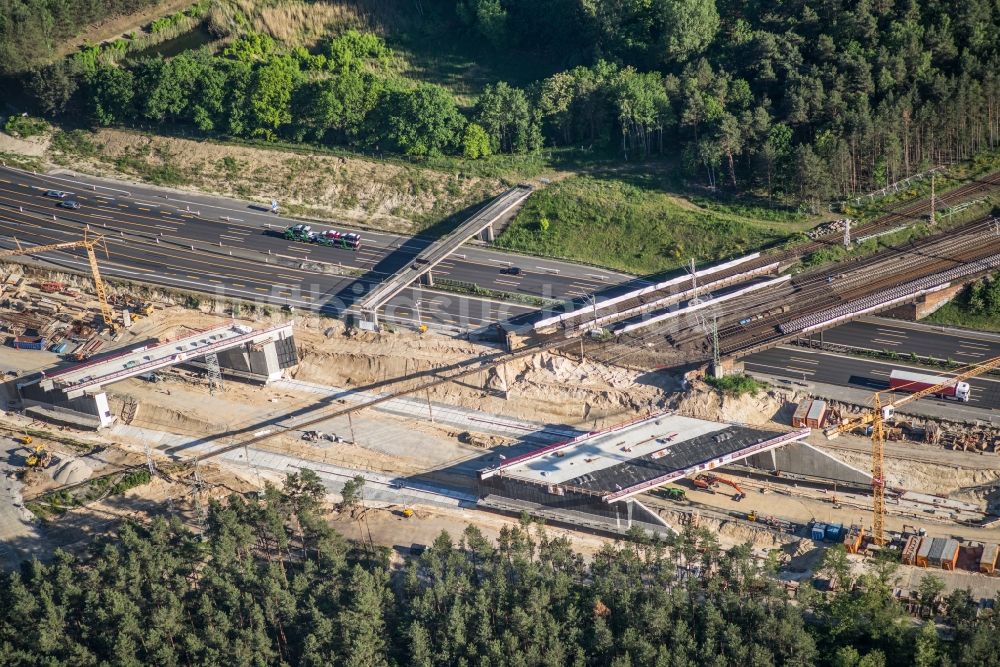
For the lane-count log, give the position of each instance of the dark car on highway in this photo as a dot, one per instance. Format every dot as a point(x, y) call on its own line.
point(512, 271)
point(69, 203)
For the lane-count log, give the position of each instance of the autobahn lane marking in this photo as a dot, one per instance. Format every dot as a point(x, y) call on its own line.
point(780, 368)
point(965, 343)
point(210, 260)
point(887, 342)
point(231, 238)
point(804, 361)
point(891, 332)
point(129, 218)
point(159, 251)
point(158, 255)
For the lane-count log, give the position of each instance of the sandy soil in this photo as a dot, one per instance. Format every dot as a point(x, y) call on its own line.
point(33, 147)
point(375, 194)
point(543, 387)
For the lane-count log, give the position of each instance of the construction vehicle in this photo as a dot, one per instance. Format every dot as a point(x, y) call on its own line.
point(876, 419)
point(88, 245)
point(710, 482)
point(25, 439)
point(407, 512)
point(675, 494)
point(39, 458)
point(752, 515)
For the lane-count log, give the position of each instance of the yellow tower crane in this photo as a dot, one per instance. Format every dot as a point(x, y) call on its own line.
point(89, 245)
point(876, 418)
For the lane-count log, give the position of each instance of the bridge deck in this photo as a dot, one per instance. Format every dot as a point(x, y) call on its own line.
point(438, 251)
point(640, 455)
point(94, 374)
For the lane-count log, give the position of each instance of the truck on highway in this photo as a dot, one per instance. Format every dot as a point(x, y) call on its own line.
point(299, 233)
point(909, 381)
point(337, 239)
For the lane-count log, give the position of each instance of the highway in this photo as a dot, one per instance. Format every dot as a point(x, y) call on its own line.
point(219, 246)
point(807, 367)
point(904, 338)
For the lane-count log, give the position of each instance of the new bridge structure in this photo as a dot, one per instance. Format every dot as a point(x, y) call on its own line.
point(237, 350)
point(595, 479)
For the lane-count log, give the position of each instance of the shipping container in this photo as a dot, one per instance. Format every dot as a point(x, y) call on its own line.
point(924, 551)
point(988, 561)
point(937, 549)
point(801, 412)
point(818, 532)
point(907, 381)
point(949, 556)
point(29, 343)
point(816, 415)
point(833, 531)
point(910, 550)
point(853, 538)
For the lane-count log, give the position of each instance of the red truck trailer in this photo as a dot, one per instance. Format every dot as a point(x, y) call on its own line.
point(909, 381)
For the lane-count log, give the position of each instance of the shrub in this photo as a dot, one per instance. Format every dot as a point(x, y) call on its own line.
point(735, 385)
point(25, 126)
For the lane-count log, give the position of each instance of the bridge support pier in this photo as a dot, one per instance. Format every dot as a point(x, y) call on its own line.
point(488, 234)
point(368, 321)
point(726, 366)
point(428, 279)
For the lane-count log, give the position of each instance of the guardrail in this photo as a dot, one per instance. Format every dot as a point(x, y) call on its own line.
point(708, 465)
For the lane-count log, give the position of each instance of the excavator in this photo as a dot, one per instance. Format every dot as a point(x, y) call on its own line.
point(709, 481)
point(39, 458)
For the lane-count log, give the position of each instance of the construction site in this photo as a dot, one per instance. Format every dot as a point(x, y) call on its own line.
point(587, 447)
point(128, 400)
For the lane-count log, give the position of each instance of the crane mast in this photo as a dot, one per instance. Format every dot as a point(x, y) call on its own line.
point(89, 245)
point(876, 419)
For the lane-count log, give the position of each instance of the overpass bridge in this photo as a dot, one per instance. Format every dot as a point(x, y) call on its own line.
point(423, 264)
point(238, 350)
point(595, 479)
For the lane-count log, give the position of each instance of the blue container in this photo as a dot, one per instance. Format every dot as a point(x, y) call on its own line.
point(818, 532)
point(833, 531)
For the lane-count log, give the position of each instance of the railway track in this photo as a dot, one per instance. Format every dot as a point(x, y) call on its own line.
point(920, 261)
point(808, 293)
point(805, 288)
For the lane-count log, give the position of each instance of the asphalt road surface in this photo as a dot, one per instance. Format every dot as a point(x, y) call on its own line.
point(235, 249)
point(804, 365)
point(902, 337)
